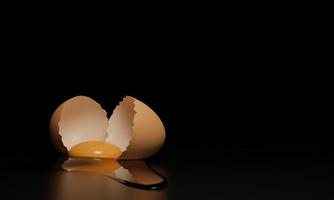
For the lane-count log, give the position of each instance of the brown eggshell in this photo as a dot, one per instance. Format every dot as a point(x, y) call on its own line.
point(54, 130)
point(77, 120)
point(148, 133)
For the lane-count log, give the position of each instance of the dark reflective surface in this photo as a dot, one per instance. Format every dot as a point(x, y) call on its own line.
point(85, 179)
point(78, 185)
point(293, 174)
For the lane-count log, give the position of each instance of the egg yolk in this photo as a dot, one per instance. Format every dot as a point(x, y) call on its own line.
point(95, 149)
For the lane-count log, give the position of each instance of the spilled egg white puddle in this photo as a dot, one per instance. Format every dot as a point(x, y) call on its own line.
point(133, 173)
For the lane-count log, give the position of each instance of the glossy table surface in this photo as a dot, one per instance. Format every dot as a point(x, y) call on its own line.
point(229, 175)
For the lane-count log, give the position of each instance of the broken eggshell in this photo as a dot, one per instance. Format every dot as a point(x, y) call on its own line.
point(80, 127)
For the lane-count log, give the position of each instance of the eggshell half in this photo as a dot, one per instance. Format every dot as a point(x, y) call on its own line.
point(78, 120)
point(148, 133)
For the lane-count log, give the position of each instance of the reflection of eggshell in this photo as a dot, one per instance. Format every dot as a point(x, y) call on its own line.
point(88, 186)
point(133, 128)
point(134, 171)
point(141, 173)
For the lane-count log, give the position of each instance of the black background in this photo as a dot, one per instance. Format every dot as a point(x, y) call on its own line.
point(244, 116)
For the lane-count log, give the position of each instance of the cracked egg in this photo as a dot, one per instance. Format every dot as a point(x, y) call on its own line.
point(81, 128)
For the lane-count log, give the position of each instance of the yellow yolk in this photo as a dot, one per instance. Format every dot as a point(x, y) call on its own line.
point(95, 149)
